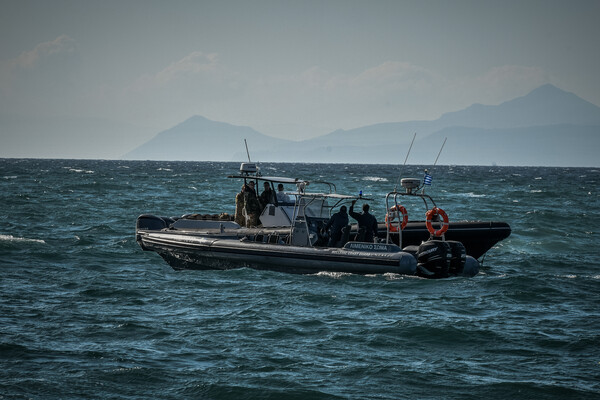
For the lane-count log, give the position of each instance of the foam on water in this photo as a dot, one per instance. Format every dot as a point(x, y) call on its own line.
point(11, 238)
point(85, 313)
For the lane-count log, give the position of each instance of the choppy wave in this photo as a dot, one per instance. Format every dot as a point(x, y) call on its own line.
point(11, 238)
point(85, 313)
point(374, 179)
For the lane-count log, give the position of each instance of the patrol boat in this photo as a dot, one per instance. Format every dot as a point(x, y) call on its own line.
point(291, 237)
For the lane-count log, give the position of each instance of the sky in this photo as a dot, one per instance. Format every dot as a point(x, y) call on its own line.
point(289, 69)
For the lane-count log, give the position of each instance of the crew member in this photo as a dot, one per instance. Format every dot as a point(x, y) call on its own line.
point(367, 222)
point(267, 196)
point(281, 196)
point(252, 205)
point(239, 207)
point(335, 225)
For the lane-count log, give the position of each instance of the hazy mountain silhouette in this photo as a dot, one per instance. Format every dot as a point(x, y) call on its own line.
point(199, 138)
point(546, 105)
point(548, 126)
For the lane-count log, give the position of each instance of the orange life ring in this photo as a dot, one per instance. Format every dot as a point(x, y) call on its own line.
point(391, 215)
point(429, 216)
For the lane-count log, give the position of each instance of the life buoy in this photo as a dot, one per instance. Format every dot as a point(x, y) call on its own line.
point(429, 216)
point(391, 215)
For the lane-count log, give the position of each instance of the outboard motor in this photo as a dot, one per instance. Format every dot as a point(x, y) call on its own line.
point(147, 222)
point(433, 259)
point(471, 267)
point(152, 222)
point(458, 258)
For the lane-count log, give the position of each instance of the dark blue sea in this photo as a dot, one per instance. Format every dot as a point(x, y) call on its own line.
point(86, 314)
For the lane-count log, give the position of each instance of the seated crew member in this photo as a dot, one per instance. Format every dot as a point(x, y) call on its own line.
point(281, 196)
point(365, 221)
point(336, 223)
point(267, 196)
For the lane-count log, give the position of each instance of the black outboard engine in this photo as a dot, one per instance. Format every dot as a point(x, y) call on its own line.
point(433, 259)
point(471, 267)
point(153, 223)
point(458, 258)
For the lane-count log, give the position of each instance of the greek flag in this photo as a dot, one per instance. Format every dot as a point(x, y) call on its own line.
point(427, 180)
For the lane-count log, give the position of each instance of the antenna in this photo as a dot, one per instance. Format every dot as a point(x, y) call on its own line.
point(247, 152)
point(402, 170)
point(428, 178)
point(438, 156)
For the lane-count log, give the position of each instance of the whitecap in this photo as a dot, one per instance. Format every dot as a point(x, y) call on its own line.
point(79, 171)
point(11, 238)
point(375, 179)
point(470, 194)
point(10, 177)
point(335, 275)
point(391, 276)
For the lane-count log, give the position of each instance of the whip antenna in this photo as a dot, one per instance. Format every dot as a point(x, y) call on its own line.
point(402, 170)
point(247, 152)
point(428, 178)
point(438, 156)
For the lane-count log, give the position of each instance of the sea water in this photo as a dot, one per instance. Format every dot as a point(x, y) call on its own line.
point(85, 313)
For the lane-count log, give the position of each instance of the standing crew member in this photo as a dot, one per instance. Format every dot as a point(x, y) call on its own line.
point(252, 205)
point(336, 223)
point(366, 221)
point(239, 207)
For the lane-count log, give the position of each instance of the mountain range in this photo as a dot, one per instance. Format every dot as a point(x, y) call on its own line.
point(547, 127)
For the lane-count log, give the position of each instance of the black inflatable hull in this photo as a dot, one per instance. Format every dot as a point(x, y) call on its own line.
point(477, 236)
point(188, 251)
point(229, 246)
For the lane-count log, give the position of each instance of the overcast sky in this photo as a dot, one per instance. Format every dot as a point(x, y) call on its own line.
point(291, 69)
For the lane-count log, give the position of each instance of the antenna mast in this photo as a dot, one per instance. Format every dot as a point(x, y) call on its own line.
point(438, 156)
point(428, 178)
point(247, 152)
point(402, 170)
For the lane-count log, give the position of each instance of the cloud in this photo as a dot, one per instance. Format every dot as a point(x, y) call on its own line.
point(63, 47)
point(41, 80)
point(195, 70)
point(191, 85)
point(501, 83)
point(315, 98)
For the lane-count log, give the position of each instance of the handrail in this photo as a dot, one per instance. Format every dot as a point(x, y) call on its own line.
point(395, 195)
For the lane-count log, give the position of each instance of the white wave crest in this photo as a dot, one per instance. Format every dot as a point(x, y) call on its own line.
point(470, 194)
point(11, 238)
point(335, 275)
point(375, 179)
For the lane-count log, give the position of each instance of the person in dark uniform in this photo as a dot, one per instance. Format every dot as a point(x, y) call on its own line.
point(252, 205)
point(366, 222)
point(267, 196)
point(335, 225)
